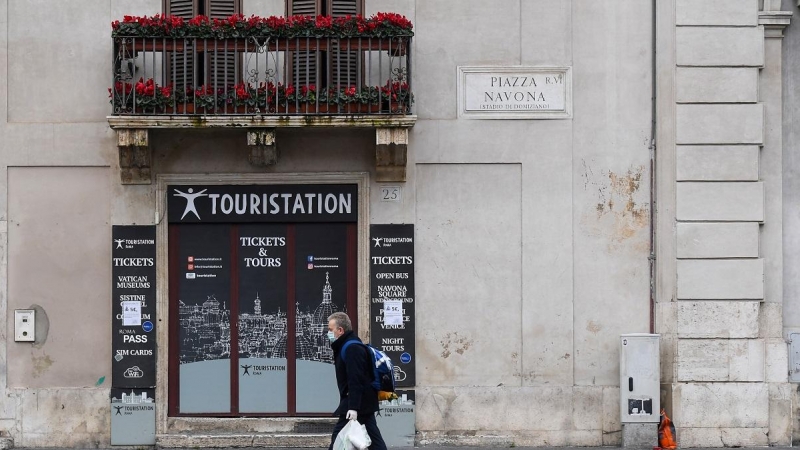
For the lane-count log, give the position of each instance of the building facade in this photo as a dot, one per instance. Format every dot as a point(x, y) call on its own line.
point(645, 186)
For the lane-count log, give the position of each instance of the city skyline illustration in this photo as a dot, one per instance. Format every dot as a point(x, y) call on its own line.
point(205, 330)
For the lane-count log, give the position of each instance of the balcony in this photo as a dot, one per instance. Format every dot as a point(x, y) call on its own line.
point(262, 74)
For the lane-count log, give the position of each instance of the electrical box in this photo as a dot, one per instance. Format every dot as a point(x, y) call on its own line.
point(794, 357)
point(640, 378)
point(24, 325)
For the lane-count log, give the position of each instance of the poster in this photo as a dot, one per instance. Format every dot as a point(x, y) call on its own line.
point(262, 321)
point(396, 420)
point(204, 325)
point(321, 290)
point(392, 289)
point(133, 293)
point(133, 416)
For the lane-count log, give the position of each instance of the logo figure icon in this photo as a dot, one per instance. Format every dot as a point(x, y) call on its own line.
point(190, 197)
point(119, 410)
point(378, 242)
point(246, 370)
point(119, 242)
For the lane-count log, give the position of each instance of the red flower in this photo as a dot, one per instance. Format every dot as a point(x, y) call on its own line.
point(324, 22)
point(351, 91)
point(199, 21)
point(306, 89)
point(242, 90)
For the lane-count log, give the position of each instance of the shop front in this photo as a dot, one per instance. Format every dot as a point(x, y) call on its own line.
point(250, 269)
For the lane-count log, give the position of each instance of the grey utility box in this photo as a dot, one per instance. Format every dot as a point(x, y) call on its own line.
point(794, 357)
point(640, 378)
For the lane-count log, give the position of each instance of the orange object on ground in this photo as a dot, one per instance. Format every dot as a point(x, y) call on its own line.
point(666, 432)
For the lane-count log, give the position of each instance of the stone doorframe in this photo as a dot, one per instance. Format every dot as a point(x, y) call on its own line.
point(180, 425)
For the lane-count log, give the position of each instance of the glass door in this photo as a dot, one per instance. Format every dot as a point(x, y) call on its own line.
point(249, 305)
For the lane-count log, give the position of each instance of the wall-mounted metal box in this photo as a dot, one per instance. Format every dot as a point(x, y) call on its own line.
point(794, 357)
point(640, 378)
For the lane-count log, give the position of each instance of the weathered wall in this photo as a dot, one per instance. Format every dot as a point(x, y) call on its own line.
point(721, 287)
point(533, 236)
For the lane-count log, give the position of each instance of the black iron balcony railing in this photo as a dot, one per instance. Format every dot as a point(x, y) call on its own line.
point(261, 75)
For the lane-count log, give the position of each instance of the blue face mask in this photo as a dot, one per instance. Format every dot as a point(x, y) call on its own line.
point(331, 336)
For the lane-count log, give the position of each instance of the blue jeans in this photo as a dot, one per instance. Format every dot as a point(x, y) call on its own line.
point(368, 420)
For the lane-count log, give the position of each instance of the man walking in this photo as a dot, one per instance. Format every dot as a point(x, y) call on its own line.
point(357, 398)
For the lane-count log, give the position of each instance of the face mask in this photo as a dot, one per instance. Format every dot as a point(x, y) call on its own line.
point(331, 336)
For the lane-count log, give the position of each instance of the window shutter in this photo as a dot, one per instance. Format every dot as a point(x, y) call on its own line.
point(342, 8)
point(344, 65)
point(303, 7)
point(223, 69)
point(178, 60)
point(305, 64)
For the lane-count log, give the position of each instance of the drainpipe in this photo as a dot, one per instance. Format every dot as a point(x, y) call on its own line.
point(652, 257)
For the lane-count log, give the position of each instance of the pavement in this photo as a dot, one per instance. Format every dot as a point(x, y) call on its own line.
point(460, 448)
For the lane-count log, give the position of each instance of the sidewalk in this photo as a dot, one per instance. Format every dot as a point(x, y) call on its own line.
point(460, 448)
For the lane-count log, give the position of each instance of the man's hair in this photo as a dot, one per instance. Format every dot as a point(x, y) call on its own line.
point(342, 321)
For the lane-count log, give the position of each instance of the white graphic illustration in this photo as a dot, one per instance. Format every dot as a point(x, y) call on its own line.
point(190, 197)
point(133, 372)
point(399, 375)
point(132, 398)
point(377, 241)
point(119, 242)
point(205, 331)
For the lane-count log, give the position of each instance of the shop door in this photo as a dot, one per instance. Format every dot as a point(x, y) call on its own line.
point(249, 304)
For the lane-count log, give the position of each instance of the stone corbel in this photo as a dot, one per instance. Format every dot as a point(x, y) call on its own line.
point(391, 154)
point(134, 156)
point(263, 151)
point(773, 19)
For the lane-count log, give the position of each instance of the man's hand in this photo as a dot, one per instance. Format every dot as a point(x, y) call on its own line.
point(352, 414)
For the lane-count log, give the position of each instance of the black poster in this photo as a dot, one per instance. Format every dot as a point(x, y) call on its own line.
point(262, 322)
point(204, 318)
point(301, 203)
point(321, 289)
point(392, 293)
point(133, 293)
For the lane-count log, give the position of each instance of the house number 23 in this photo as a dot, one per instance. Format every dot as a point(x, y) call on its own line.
point(391, 194)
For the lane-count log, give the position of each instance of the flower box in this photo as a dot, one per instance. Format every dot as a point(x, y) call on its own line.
point(394, 46)
point(380, 25)
point(180, 109)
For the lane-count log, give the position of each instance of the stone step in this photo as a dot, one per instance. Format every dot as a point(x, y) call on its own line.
point(234, 440)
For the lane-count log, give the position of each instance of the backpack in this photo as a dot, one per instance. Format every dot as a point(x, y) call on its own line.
point(382, 368)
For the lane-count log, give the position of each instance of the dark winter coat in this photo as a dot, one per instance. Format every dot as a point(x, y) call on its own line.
point(354, 377)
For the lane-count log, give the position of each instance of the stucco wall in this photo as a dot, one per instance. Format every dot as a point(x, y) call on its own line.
point(532, 235)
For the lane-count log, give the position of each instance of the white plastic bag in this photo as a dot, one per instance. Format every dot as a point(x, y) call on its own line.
point(342, 442)
point(358, 436)
point(352, 437)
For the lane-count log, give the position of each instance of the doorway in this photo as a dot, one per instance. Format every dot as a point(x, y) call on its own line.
point(248, 307)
